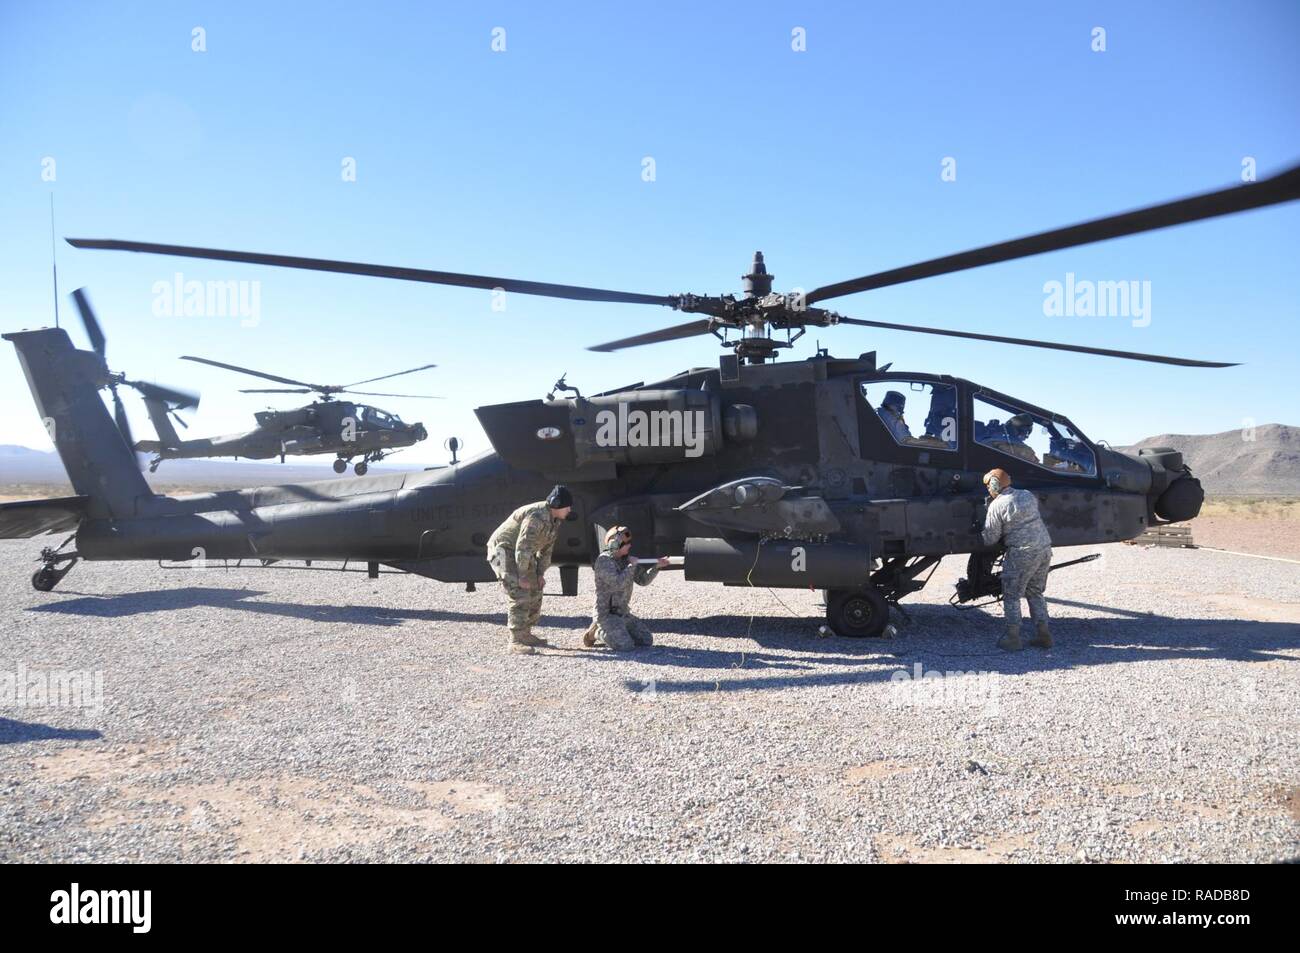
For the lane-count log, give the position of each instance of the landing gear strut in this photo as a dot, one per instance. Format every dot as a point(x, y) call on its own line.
point(864, 612)
point(362, 465)
point(50, 573)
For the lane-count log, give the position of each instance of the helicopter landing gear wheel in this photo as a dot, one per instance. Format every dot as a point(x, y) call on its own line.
point(340, 465)
point(50, 574)
point(857, 613)
point(361, 468)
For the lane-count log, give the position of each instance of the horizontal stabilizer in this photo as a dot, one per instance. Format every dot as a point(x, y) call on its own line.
point(33, 517)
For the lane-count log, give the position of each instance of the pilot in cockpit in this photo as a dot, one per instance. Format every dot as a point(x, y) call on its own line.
point(891, 414)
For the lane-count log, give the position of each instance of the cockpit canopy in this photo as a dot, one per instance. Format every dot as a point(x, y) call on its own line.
point(1032, 437)
point(893, 400)
point(372, 418)
point(927, 414)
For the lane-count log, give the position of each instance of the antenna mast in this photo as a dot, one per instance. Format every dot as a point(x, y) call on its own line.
point(54, 262)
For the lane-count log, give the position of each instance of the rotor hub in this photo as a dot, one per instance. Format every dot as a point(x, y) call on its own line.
point(758, 283)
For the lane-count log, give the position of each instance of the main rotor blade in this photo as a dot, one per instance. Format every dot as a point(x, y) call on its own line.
point(245, 370)
point(278, 390)
point(674, 333)
point(545, 289)
point(1029, 342)
point(371, 380)
point(88, 319)
point(1283, 187)
point(371, 393)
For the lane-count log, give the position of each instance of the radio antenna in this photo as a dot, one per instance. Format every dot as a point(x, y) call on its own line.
point(54, 262)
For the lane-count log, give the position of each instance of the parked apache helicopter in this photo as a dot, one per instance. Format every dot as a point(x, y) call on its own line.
point(802, 474)
point(324, 426)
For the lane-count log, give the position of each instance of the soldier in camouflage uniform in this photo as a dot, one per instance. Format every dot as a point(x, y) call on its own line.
point(616, 573)
point(1013, 519)
point(520, 553)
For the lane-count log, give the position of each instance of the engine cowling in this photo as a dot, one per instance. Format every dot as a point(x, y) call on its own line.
point(629, 427)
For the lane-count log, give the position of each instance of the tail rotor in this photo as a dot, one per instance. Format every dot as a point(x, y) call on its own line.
point(172, 399)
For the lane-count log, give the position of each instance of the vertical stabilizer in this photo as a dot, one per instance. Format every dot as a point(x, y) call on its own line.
point(65, 384)
point(162, 424)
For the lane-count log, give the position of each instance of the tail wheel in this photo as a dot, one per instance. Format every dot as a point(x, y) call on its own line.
point(857, 613)
point(340, 465)
point(46, 578)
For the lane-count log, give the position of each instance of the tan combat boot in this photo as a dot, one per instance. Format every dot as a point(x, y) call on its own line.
point(1042, 638)
point(535, 641)
point(517, 646)
point(1011, 641)
point(589, 637)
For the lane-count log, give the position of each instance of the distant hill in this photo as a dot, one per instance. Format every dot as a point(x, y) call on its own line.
point(1262, 462)
point(23, 465)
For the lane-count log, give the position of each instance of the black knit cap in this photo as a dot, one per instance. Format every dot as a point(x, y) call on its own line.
point(560, 497)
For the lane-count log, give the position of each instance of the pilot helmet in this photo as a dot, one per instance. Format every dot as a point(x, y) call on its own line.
point(1021, 425)
point(895, 401)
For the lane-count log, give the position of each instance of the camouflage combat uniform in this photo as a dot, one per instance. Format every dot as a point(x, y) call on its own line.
point(1013, 518)
point(521, 549)
point(614, 623)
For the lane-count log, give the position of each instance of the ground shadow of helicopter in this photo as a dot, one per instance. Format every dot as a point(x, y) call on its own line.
point(148, 601)
point(966, 638)
point(1123, 641)
point(17, 732)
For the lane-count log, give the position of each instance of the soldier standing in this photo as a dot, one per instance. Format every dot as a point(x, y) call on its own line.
point(1014, 520)
point(616, 572)
point(520, 553)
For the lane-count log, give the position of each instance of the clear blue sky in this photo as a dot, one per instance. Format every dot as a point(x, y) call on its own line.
point(528, 163)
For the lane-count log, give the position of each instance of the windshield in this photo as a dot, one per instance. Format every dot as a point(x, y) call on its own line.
point(374, 417)
point(933, 406)
point(1029, 436)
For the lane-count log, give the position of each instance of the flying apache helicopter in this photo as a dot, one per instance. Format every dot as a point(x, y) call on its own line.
point(802, 474)
point(326, 425)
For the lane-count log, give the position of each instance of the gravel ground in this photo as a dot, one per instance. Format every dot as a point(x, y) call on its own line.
point(278, 715)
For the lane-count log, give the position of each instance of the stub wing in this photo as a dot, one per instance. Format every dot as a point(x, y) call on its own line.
point(27, 518)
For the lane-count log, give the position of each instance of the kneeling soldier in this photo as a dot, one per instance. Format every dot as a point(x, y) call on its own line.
point(616, 573)
point(520, 553)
